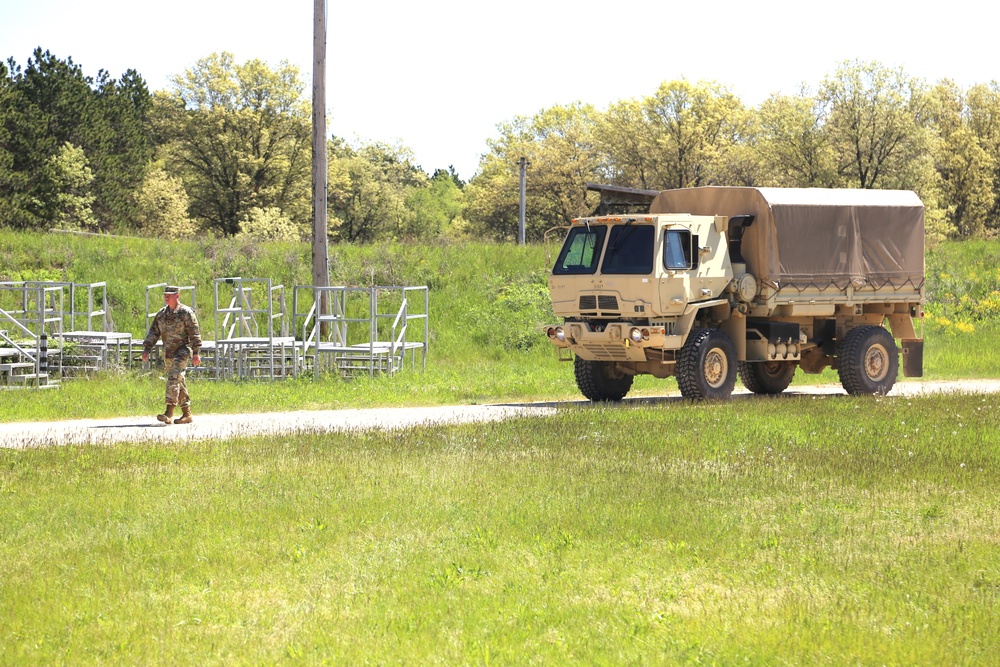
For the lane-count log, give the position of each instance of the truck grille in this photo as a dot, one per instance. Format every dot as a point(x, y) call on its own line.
point(606, 302)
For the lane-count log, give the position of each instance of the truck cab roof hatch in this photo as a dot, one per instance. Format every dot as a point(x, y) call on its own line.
point(618, 200)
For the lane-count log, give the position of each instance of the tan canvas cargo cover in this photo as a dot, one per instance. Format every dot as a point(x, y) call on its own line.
point(803, 237)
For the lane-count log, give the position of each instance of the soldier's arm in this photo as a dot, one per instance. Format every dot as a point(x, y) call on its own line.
point(152, 336)
point(194, 334)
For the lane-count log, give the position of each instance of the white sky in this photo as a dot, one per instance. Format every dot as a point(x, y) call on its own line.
point(439, 75)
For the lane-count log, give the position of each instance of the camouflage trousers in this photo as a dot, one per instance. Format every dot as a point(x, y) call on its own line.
point(176, 387)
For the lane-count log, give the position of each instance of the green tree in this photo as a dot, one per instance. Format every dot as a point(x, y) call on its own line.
point(119, 145)
point(49, 103)
point(965, 168)
point(238, 136)
point(693, 130)
point(558, 144)
point(42, 104)
point(368, 192)
point(161, 206)
point(624, 138)
point(876, 124)
point(793, 144)
point(436, 206)
point(983, 108)
point(70, 176)
point(268, 224)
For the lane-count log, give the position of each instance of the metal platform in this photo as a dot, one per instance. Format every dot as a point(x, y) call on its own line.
point(87, 352)
point(361, 330)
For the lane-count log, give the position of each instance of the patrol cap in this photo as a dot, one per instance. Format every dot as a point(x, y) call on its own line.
point(171, 289)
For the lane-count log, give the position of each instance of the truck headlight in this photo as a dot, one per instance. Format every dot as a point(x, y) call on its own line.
point(636, 335)
point(559, 334)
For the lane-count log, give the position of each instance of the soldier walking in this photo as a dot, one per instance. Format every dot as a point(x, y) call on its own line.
point(177, 325)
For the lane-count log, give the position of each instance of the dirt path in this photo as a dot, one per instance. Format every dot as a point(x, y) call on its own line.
point(145, 428)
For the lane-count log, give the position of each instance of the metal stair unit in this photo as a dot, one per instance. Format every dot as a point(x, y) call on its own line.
point(41, 306)
point(24, 355)
point(252, 338)
point(97, 348)
point(366, 329)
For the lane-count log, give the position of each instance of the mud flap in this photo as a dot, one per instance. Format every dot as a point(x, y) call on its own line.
point(913, 357)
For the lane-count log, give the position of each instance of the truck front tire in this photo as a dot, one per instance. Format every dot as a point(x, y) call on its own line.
point(599, 381)
point(706, 365)
point(868, 361)
point(766, 377)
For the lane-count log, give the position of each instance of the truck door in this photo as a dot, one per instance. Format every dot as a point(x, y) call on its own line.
point(680, 262)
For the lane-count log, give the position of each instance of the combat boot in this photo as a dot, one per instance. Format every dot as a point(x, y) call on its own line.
point(185, 417)
point(167, 416)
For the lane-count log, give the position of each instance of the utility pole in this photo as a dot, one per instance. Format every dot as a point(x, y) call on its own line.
point(320, 251)
point(524, 169)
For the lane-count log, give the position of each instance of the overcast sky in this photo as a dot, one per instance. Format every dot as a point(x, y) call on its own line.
point(439, 75)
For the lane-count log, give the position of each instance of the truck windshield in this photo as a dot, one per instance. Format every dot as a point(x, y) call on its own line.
point(630, 250)
point(581, 250)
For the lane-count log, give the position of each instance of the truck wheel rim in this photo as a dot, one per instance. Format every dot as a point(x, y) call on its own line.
point(716, 368)
point(876, 363)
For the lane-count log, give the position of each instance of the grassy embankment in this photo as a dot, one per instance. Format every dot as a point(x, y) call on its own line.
point(486, 303)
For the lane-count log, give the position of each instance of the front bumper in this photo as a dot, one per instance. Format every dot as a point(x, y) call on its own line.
point(616, 341)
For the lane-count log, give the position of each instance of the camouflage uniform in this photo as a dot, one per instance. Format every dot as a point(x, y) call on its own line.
point(181, 340)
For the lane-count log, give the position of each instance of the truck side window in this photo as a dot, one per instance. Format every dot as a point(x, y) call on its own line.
point(678, 250)
point(581, 250)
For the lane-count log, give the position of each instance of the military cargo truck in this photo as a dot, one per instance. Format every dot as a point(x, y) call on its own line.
point(712, 282)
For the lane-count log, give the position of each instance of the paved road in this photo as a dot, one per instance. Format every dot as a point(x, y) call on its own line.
point(146, 428)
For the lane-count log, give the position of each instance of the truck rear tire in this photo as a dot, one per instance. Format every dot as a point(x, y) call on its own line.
point(706, 365)
point(766, 377)
point(599, 381)
point(868, 361)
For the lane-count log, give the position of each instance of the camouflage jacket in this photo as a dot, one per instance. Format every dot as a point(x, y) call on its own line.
point(177, 329)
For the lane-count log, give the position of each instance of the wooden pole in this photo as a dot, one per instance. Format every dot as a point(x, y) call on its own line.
point(320, 251)
point(521, 225)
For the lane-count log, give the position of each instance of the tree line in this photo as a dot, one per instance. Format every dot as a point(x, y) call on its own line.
point(226, 150)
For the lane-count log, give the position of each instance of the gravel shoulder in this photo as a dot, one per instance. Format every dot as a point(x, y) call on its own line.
point(145, 428)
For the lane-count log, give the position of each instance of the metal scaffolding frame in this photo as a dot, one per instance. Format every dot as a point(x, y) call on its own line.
point(361, 334)
point(34, 309)
point(366, 330)
point(252, 339)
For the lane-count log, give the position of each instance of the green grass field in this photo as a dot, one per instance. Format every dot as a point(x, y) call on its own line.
point(825, 530)
point(796, 530)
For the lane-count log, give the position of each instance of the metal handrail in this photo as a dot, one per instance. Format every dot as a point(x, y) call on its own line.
point(18, 324)
point(19, 348)
point(401, 339)
point(305, 325)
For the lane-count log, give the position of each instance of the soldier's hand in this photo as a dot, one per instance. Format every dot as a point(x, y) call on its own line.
point(196, 360)
point(145, 357)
